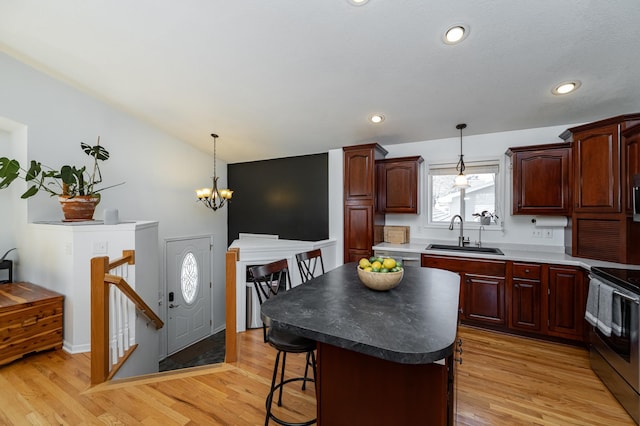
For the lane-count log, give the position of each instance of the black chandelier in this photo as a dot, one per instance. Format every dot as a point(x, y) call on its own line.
point(213, 197)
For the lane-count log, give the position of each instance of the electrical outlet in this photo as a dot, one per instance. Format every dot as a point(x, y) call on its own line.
point(536, 233)
point(548, 233)
point(100, 247)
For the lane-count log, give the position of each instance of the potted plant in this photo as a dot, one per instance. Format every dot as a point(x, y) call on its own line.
point(76, 188)
point(486, 217)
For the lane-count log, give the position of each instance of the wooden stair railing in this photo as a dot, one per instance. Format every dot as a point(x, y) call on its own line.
point(102, 366)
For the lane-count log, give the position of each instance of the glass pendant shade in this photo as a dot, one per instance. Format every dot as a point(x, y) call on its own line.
point(461, 181)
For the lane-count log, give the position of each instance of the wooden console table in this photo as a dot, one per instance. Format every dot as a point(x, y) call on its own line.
point(30, 320)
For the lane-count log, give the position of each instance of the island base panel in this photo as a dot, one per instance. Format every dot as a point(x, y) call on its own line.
point(358, 389)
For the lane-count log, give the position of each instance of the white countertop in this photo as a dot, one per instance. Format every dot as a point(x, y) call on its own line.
point(517, 252)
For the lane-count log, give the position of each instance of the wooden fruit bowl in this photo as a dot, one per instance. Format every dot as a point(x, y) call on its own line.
point(380, 281)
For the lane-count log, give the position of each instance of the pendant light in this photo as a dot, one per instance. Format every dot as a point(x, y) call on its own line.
point(213, 197)
point(461, 180)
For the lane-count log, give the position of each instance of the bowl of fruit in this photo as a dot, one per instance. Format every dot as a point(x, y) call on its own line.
point(380, 273)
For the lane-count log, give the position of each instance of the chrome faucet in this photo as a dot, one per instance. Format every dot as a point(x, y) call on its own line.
point(479, 243)
point(461, 239)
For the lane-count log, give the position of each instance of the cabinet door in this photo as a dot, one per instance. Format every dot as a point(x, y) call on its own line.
point(541, 182)
point(358, 232)
point(397, 185)
point(597, 169)
point(484, 299)
point(567, 302)
point(632, 165)
point(526, 307)
point(359, 174)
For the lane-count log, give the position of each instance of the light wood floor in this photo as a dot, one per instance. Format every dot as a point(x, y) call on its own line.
point(503, 380)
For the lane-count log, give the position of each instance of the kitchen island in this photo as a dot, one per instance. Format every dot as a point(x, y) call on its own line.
point(383, 357)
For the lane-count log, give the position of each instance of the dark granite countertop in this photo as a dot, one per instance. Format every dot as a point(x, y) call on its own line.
point(414, 323)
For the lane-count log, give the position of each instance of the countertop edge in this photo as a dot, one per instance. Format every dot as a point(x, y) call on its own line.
point(386, 354)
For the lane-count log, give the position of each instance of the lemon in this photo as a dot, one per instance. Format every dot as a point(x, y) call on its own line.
point(368, 269)
point(376, 265)
point(364, 262)
point(389, 263)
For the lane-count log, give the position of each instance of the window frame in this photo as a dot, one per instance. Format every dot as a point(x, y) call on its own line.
point(494, 165)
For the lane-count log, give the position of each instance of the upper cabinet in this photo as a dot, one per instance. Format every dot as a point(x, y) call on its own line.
point(597, 183)
point(542, 179)
point(605, 156)
point(397, 184)
point(362, 224)
point(631, 166)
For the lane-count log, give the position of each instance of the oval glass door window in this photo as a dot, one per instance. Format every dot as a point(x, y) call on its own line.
point(189, 278)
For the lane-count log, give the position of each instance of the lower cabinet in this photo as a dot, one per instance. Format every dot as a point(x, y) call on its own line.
point(484, 299)
point(525, 298)
point(482, 287)
point(567, 301)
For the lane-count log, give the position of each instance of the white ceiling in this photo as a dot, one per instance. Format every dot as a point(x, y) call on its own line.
point(289, 77)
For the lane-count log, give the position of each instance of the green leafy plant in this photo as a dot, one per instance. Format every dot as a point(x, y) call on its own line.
point(68, 180)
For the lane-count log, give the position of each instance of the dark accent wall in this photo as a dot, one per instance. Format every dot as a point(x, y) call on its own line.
point(288, 197)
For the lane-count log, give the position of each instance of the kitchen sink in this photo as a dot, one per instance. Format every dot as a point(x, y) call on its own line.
point(470, 249)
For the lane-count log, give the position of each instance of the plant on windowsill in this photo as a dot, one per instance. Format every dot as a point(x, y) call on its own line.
point(77, 190)
point(486, 217)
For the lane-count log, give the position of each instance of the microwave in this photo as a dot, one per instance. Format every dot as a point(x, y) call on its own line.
point(636, 197)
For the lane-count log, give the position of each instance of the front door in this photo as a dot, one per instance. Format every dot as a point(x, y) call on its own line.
point(189, 292)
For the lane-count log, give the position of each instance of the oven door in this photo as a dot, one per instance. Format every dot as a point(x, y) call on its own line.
point(621, 351)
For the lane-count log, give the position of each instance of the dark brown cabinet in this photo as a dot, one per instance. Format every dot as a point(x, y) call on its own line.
point(542, 179)
point(631, 138)
point(526, 297)
point(567, 301)
point(532, 299)
point(482, 287)
point(597, 170)
point(604, 155)
point(360, 218)
point(397, 184)
point(484, 299)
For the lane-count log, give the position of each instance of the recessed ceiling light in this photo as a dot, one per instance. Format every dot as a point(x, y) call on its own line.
point(376, 118)
point(455, 34)
point(566, 87)
point(357, 2)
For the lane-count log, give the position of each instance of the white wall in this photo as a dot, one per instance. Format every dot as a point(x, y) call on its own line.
point(7, 236)
point(516, 229)
point(160, 171)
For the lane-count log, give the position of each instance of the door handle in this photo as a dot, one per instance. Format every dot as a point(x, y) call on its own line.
point(171, 305)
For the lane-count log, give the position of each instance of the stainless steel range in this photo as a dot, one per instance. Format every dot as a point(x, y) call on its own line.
point(615, 355)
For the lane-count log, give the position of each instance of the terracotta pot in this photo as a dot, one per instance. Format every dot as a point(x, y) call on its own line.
point(78, 208)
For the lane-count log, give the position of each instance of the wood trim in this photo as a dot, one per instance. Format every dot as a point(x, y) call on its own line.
point(139, 303)
point(128, 256)
point(99, 320)
point(121, 361)
point(231, 346)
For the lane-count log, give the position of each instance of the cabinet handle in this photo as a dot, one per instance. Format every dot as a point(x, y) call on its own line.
point(526, 271)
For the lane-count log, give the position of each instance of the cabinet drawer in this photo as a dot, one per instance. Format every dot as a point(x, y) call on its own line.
point(494, 268)
point(530, 271)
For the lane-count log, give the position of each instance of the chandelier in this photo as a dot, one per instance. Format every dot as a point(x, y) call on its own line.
point(213, 197)
point(461, 180)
